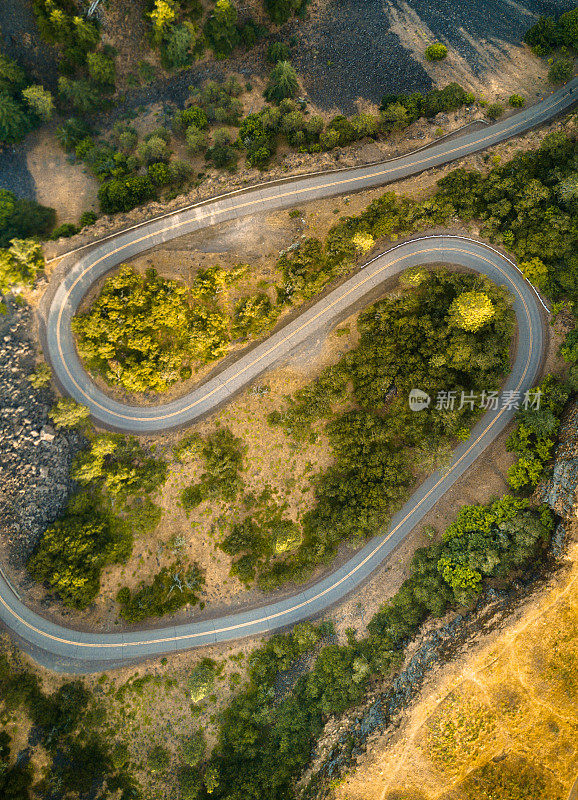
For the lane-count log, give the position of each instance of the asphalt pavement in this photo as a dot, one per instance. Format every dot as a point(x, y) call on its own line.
point(69, 650)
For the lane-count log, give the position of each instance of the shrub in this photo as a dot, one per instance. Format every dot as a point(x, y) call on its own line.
point(122, 194)
point(171, 589)
point(436, 52)
point(65, 230)
point(495, 110)
point(516, 101)
point(278, 51)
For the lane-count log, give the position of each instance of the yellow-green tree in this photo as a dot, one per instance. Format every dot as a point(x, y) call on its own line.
point(471, 310)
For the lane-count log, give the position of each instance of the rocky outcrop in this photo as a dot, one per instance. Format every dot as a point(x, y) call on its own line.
point(560, 491)
point(34, 458)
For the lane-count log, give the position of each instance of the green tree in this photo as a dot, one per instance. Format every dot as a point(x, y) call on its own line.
point(516, 101)
point(197, 139)
point(71, 554)
point(395, 117)
point(278, 51)
point(535, 271)
point(12, 77)
point(281, 10)
point(202, 680)
point(41, 376)
point(163, 14)
point(40, 101)
point(561, 71)
point(495, 110)
point(20, 263)
point(180, 43)
point(81, 94)
point(14, 123)
point(68, 414)
point(158, 759)
point(171, 589)
point(221, 28)
point(283, 82)
point(101, 69)
point(193, 748)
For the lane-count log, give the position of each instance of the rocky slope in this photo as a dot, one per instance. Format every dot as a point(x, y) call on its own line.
point(34, 458)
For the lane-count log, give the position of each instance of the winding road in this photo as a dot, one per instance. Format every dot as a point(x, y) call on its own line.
point(69, 650)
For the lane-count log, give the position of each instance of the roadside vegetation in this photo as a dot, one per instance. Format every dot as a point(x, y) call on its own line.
point(132, 172)
point(556, 39)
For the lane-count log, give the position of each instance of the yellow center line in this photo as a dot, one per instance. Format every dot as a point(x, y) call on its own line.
point(172, 227)
point(319, 595)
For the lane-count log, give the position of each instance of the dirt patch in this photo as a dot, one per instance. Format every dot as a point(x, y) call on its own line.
point(60, 183)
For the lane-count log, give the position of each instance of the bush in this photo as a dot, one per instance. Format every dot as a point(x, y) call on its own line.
point(123, 194)
point(64, 231)
point(436, 52)
point(495, 110)
point(516, 101)
point(561, 71)
point(172, 589)
point(278, 51)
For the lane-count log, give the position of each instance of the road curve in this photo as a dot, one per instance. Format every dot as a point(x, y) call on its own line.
point(107, 254)
point(69, 650)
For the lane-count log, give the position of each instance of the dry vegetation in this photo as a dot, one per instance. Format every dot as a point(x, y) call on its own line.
point(499, 723)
